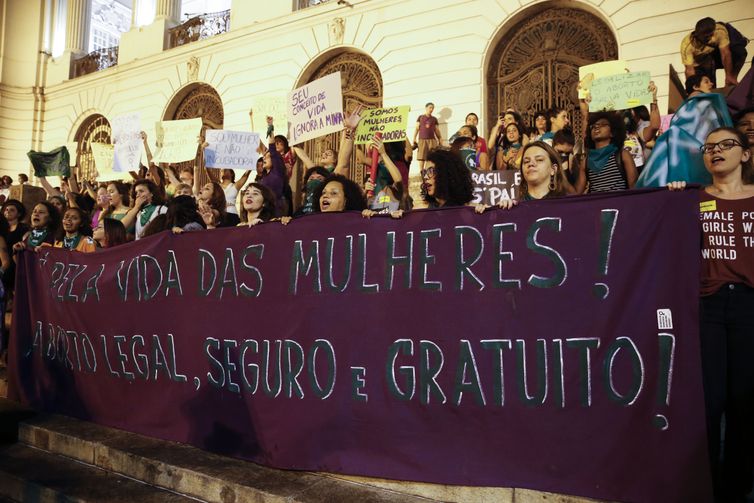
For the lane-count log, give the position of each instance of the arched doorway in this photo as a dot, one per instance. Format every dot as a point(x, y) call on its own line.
point(94, 129)
point(198, 100)
point(535, 66)
point(361, 85)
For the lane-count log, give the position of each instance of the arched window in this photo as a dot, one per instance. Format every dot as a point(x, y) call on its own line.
point(95, 129)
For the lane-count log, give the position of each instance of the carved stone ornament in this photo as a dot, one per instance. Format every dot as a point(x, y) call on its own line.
point(535, 66)
point(337, 29)
point(192, 69)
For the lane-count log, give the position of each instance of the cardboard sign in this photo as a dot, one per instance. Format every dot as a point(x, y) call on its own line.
point(588, 73)
point(103, 155)
point(126, 133)
point(231, 149)
point(315, 109)
point(392, 122)
point(273, 106)
point(491, 187)
point(177, 141)
point(620, 91)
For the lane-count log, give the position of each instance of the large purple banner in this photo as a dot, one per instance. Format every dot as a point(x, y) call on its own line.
point(552, 346)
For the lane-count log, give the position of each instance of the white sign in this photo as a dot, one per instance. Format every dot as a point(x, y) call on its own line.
point(272, 106)
point(177, 141)
point(231, 149)
point(104, 155)
point(315, 109)
point(127, 139)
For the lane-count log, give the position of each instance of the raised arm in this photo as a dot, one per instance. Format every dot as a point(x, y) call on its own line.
point(308, 163)
point(346, 141)
point(655, 121)
point(51, 191)
point(242, 181)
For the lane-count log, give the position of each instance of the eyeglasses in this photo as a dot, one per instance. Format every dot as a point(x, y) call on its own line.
point(728, 144)
point(429, 172)
point(599, 125)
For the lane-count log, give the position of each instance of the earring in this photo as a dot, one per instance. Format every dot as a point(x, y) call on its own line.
point(551, 186)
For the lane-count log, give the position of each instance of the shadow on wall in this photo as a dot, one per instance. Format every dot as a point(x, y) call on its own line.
point(443, 118)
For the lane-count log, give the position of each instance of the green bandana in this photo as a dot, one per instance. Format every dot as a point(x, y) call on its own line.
point(37, 237)
point(72, 242)
point(146, 214)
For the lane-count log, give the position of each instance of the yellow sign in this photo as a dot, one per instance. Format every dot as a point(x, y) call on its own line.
point(705, 206)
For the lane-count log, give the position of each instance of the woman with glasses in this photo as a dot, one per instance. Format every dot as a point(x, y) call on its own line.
point(607, 166)
point(727, 310)
point(446, 180)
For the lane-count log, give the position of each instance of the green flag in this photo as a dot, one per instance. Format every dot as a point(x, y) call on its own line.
point(53, 163)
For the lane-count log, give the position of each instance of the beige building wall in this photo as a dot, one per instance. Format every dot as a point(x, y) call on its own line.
point(426, 50)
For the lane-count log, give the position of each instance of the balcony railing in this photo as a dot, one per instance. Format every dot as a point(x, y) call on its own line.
point(95, 61)
point(303, 4)
point(200, 27)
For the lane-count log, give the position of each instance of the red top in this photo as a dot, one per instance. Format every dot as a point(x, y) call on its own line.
point(727, 241)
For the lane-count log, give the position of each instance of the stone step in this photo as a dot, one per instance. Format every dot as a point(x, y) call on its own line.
point(28, 474)
point(190, 471)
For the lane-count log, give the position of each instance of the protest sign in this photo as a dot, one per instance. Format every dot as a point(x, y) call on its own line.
point(588, 73)
point(315, 109)
point(272, 106)
point(533, 347)
point(177, 140)
point(53, 163)
point(231, 149)
point(491, 187)
point(392, 122)
point(620, 91)
point(126, 134)
point(104, 157)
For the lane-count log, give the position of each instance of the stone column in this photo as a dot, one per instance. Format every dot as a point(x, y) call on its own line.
point(170, 10)
point(77, 26)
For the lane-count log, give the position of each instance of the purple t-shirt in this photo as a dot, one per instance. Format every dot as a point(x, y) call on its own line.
point(427, 126)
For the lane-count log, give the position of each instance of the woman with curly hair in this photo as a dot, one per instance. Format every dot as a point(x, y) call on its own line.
point(76, 232)
point(45, 222)
point(339, 193)
point(446, 180)
point(608, 166)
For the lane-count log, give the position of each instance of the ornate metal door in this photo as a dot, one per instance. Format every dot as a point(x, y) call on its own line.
point(204, 102)
point(362, 85)
point(536, 64)
point(95, 129)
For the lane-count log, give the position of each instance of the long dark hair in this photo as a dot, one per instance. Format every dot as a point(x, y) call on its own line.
point(182, 210)
point(20, 208)
point(157, 195)
point(115, 232)
point(55, 217)
point(268, 206)
point(123, 190)
point(452, 179)
point(85, 227)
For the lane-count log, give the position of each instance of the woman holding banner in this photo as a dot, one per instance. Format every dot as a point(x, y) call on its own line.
point(45, 221)
point(446, 180)
point(76, 232)
point(727, 310)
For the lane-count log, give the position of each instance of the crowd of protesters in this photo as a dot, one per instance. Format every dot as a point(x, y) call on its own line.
point(608, 155)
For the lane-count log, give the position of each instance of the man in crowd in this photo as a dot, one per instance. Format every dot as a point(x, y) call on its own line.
point(711, 46)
